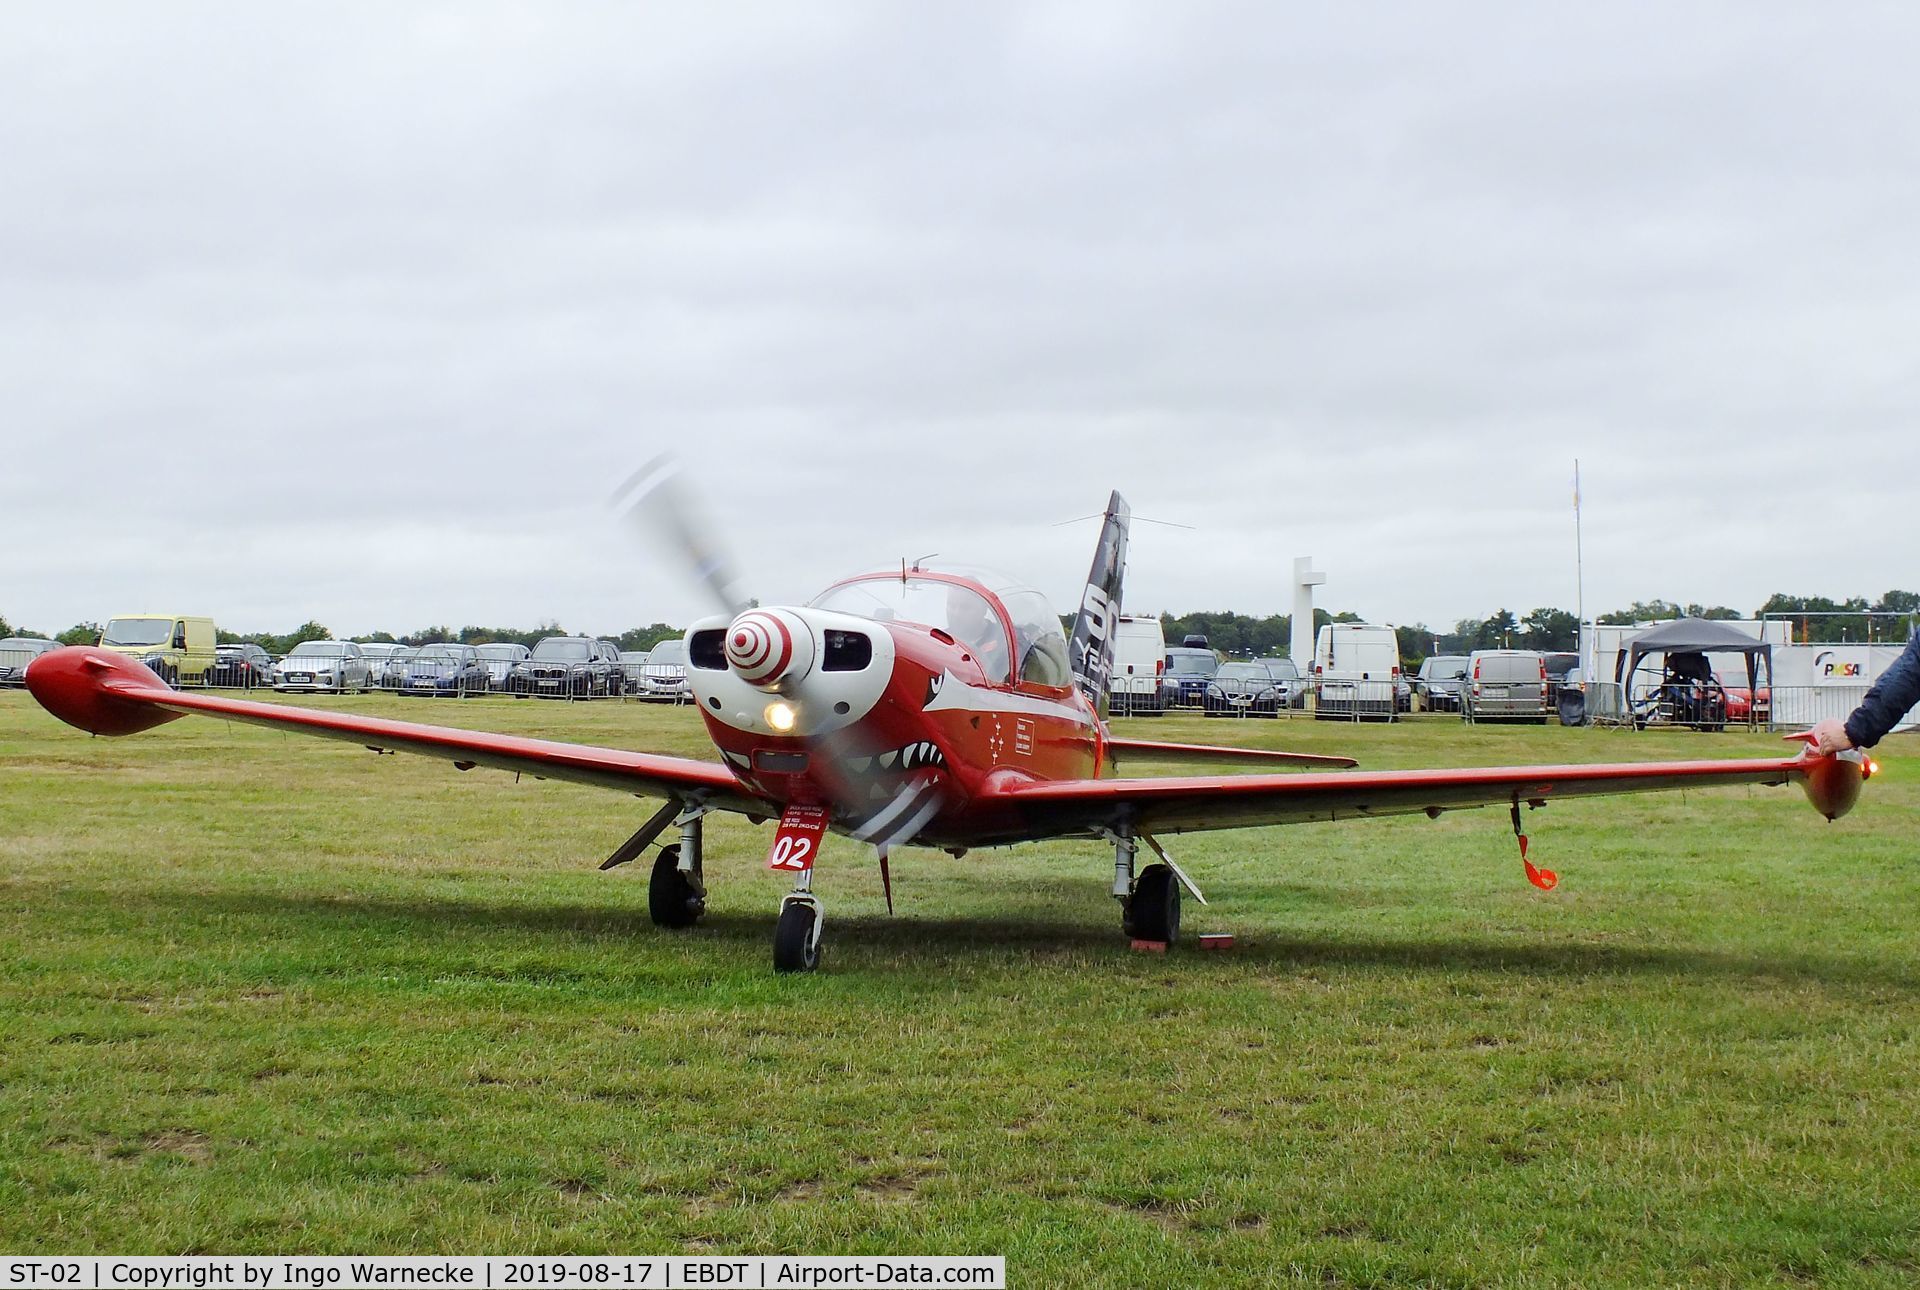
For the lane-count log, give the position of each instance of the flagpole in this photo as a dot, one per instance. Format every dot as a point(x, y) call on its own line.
point(1579, 571)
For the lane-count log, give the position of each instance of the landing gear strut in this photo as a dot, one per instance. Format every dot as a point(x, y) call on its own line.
point(676, 892)
point(1149, 903)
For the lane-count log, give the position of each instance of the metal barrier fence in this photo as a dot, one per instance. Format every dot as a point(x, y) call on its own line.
point(1305, 697)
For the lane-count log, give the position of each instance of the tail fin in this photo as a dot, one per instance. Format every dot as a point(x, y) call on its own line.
point(1092, 647)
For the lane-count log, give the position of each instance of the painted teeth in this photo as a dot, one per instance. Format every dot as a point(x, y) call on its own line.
point(914, 756)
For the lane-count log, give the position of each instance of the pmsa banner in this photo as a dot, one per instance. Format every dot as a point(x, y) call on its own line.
point(1813, 682)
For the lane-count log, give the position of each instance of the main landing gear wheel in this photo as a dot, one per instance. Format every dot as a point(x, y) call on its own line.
point(674, 899)
point(796, 937)
point(1153, 910)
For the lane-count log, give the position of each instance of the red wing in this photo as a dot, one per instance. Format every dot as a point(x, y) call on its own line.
point(106, 693)
point(1038, 810)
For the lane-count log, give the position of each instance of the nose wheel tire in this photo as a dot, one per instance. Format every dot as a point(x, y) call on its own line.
point(796, 937)
point(1153, 910)
point(674, 899)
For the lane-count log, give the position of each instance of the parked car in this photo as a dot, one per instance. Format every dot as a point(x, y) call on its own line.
point(1242, 689)
point(1139, 659)
point(18, 651)
point(444, 669)
point(1356, 671)
point(393, 671)
point(178, 647)
point(378, 654)
point(663, 675)
point(1286, 678)
point(323, 665)
point(1743, 703)
point(1559, 663)
point(1438, 682)
point(568, 665)
point(240, 667)
point(631, 661)
point(1505, 685)
point(500, 659)
point(1185, 674)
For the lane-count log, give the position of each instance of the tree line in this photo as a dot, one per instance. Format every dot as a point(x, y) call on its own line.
point(1242, 635)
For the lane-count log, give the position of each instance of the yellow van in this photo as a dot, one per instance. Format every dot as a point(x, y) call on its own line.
point(178, 647)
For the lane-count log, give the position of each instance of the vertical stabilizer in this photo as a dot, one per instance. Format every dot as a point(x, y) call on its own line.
point(1092, 645)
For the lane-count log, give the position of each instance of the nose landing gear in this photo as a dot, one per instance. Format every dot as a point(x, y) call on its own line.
point(796, 937)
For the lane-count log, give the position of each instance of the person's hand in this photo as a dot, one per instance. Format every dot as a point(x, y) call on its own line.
point(1830, 736)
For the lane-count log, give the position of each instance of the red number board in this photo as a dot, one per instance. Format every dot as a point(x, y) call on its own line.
point(798, 841)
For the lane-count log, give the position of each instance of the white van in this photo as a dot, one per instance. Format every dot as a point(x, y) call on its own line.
point(1139, 656)
point(1356, 670)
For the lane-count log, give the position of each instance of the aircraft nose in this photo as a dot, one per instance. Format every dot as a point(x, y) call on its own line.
point(769, 648)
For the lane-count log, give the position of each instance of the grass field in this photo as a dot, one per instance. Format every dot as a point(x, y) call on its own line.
point(264, 993)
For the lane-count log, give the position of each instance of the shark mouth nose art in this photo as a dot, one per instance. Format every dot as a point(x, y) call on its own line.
point(915, 756)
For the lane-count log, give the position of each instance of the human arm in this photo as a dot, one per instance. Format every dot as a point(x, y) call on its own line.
point(1891, 697)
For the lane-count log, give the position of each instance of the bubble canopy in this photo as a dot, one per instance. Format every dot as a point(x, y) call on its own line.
point(994, 616)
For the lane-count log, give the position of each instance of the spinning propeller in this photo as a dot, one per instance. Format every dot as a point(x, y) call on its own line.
point(766, 647)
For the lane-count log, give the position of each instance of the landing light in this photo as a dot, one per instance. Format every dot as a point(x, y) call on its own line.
point(1873, 768)
point(781, 716)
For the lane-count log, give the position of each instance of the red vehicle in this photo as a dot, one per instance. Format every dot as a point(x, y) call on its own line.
point(1740, 701)
point(939, 708)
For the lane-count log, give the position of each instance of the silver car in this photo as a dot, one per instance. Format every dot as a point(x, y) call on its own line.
point(664, 675)
point(1440, 680)
point(323, 665)
point(18, 651)
point(499, 660)
point(1504, 685)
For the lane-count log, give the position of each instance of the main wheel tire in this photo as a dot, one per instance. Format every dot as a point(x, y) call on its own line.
point(1153, 912)
point(796, 946)
point(673, 900)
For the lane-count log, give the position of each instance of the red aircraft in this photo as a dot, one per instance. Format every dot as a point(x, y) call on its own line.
point(938, 708)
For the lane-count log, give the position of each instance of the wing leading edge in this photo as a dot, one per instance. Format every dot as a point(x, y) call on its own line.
point(108, 694)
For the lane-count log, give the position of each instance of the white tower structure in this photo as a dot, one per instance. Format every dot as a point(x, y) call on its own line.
point(1305, 579)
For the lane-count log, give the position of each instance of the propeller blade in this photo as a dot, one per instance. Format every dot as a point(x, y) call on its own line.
point(660, 509)
point(896, 823)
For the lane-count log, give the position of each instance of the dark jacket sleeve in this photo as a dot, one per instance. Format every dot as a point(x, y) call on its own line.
point(1897, 690)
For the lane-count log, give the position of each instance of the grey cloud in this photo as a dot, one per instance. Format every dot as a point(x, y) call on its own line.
point(1359, 283)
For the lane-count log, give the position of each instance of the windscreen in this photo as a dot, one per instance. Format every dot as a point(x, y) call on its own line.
point(317, 649)
point(668, 654)
point(960, 611)
point(1243, 672)
point(497, 652)
point(558, 650)
point(138, 631)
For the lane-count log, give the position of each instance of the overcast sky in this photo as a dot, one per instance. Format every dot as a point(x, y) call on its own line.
point(360, 313)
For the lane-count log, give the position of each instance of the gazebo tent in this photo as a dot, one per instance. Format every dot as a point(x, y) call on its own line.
point(1695, 635)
